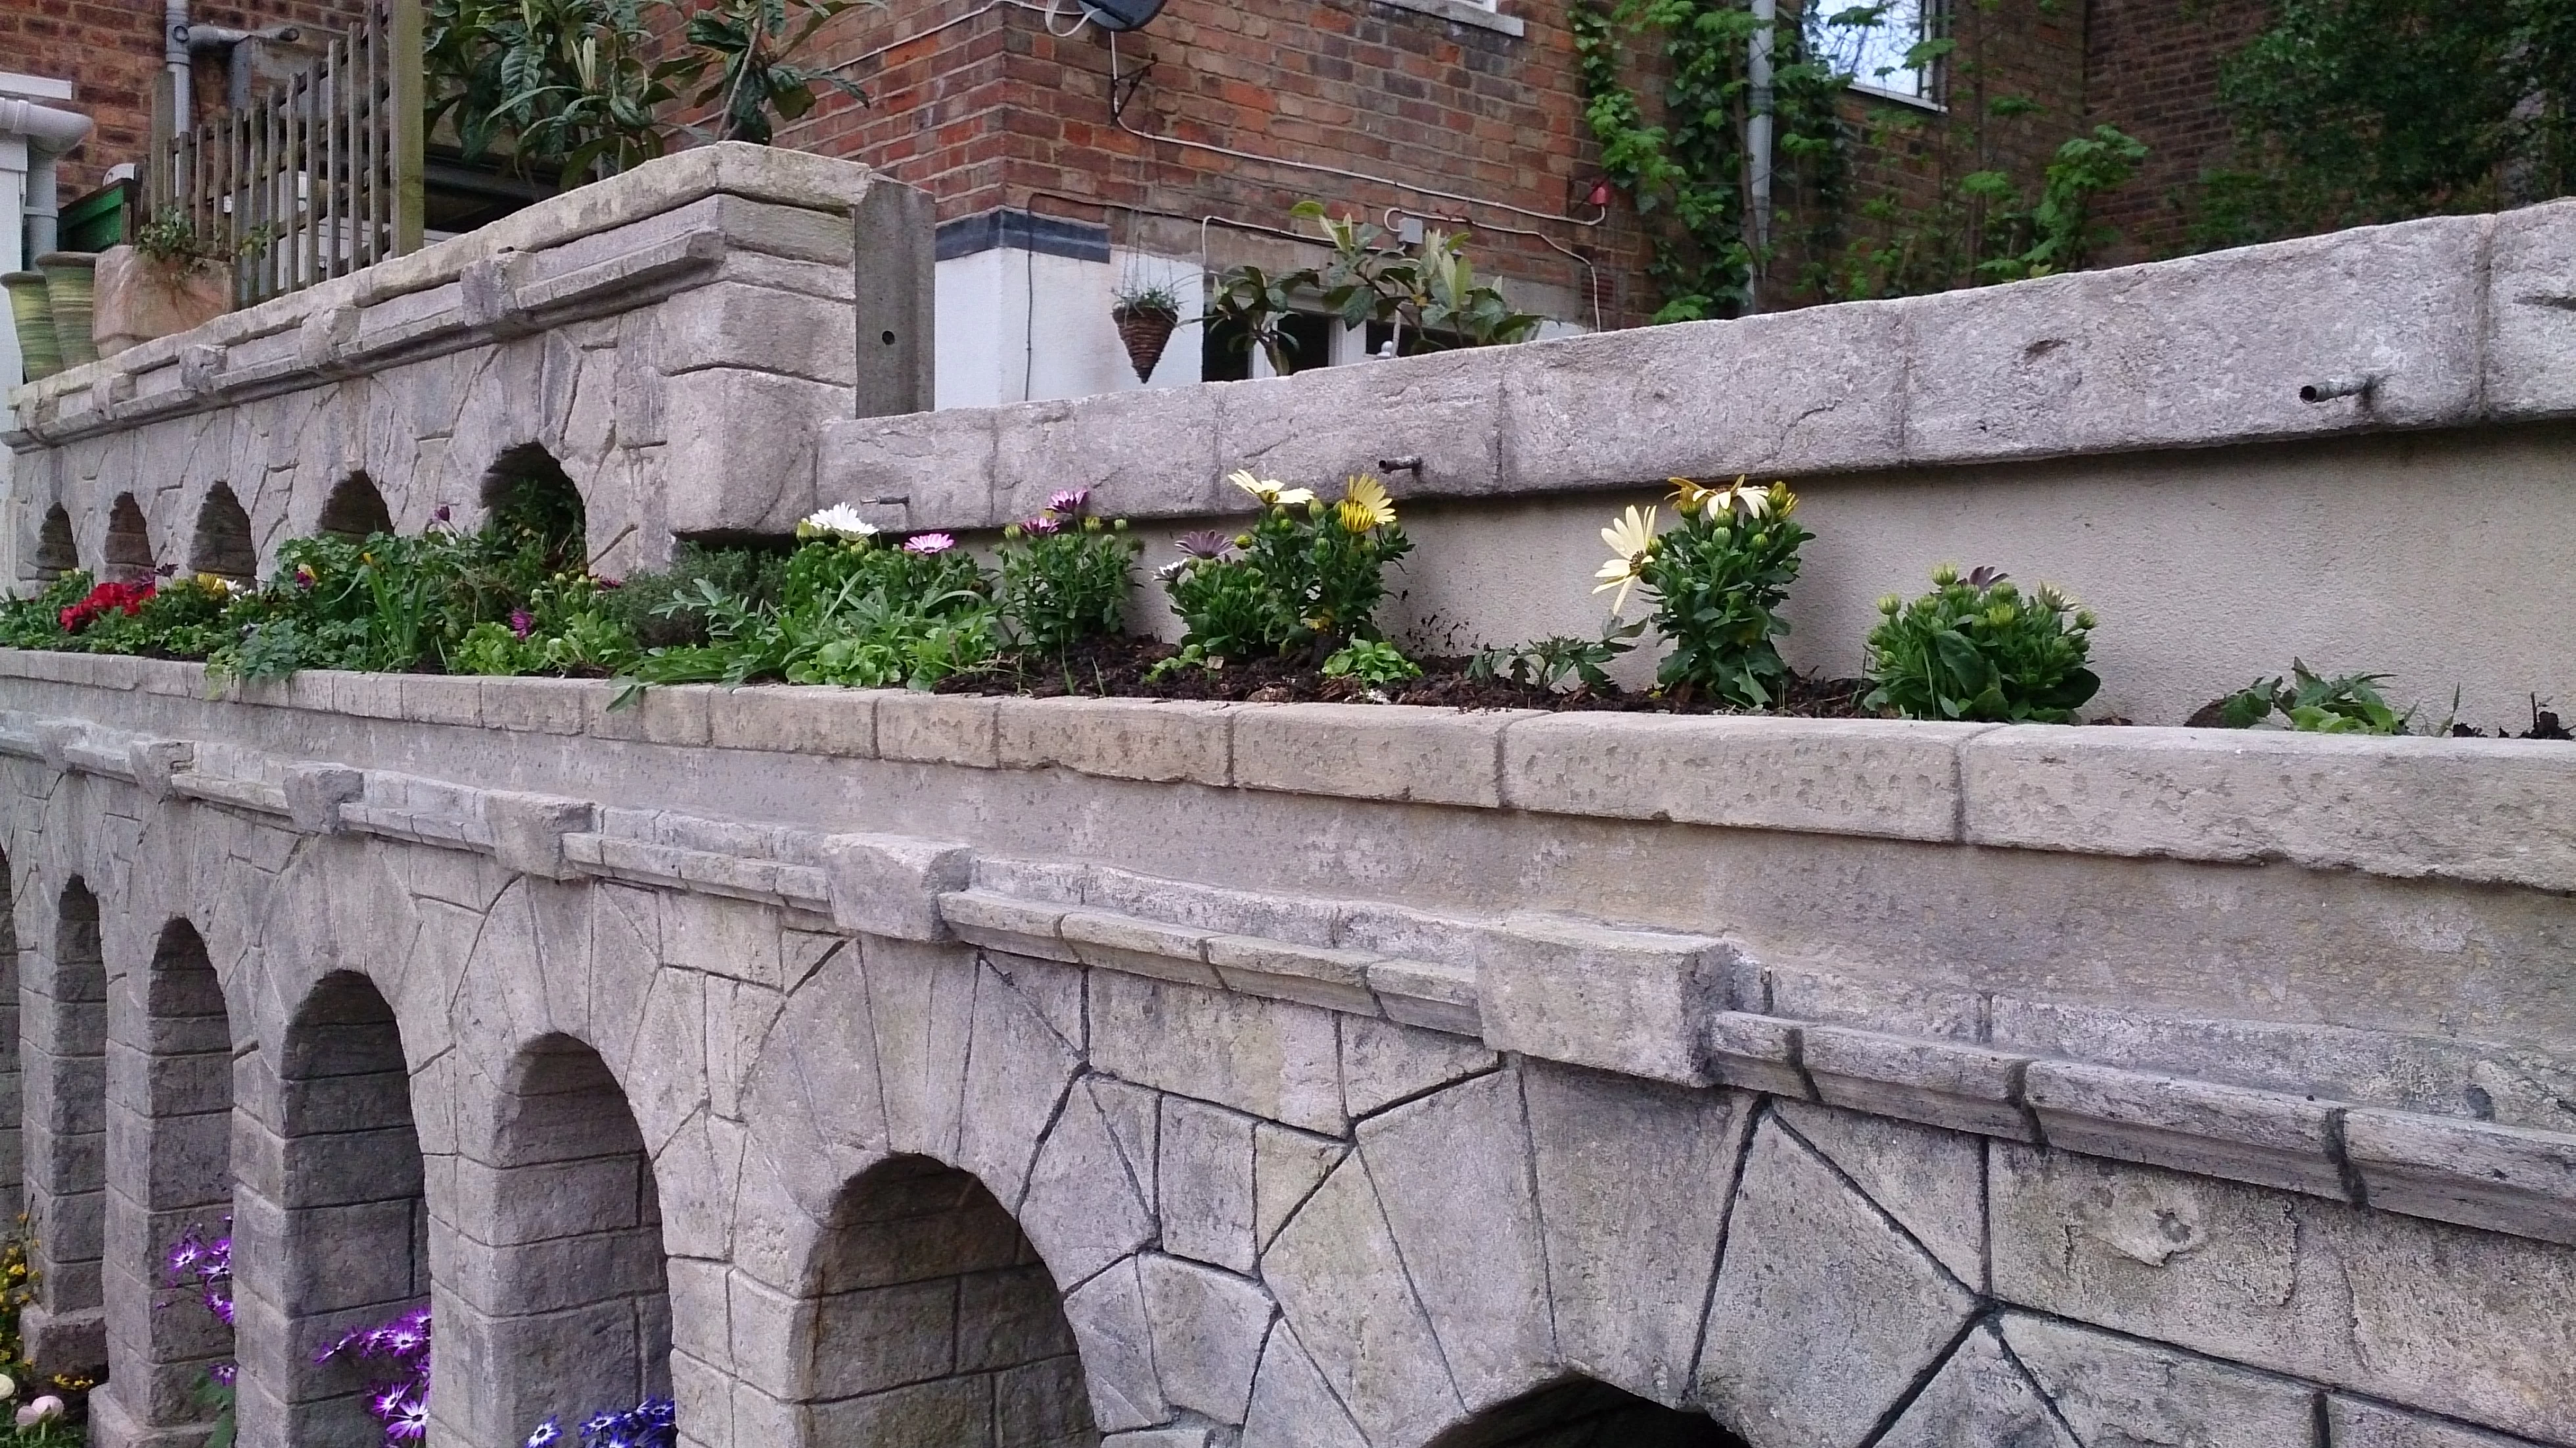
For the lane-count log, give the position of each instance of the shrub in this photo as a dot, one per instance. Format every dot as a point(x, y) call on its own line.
point(1546, 664)
point(1717, 579)
point(1975, 648)
point(1227, 607)
point(1066, 574)
point(1373, 662)
point(668, 606)
point(2313, 705)
point(1310, 574)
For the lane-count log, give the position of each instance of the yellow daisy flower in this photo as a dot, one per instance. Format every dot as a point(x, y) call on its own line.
point(1365, 505)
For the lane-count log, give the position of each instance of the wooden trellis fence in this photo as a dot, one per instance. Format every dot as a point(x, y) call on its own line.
point(321, 176)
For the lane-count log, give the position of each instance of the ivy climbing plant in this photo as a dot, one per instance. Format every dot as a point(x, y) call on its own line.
point(1682, 161)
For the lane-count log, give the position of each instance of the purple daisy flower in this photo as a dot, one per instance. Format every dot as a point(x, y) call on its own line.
point(409, 1422)
point(1041, 525)
point(929, 544)
point(1070, 502)
point(1207, 543)
point(522, 622)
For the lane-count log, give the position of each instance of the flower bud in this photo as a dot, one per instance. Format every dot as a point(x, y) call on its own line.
point(1890, 604)
point(1945, 574)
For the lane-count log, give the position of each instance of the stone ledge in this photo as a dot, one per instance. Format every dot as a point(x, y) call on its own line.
point(2445, 322)
point(2479, 811)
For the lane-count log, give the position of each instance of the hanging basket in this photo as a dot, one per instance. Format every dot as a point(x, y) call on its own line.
point(1146, 331)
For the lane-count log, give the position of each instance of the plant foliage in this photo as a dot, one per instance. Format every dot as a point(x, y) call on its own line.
point(1976, 648)
point(1066, 574)
point(1309, 575)
point(1717, 579)
point(1426, 292)
point(2347, 704)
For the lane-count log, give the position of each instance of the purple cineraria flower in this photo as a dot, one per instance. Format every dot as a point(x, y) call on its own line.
point(928, 544)
point(522, 622)
point(546, 1435)
point(1041, 525)
point(388, 1401)
point(1070, 502)
point(409, 1422)
point(221, 1305)
point(224, 1373)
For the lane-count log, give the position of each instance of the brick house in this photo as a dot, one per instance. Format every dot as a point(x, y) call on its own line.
point(1068, 162)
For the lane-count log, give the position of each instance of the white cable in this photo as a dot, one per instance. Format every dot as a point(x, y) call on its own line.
point(1081, 18)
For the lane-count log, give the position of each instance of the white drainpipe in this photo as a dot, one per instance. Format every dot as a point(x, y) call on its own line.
point(49, 134)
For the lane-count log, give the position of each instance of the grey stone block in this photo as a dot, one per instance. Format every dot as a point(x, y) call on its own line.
point(1291, 1405)
point(2263, 1137)
point(1795, 1359)
point(937, 729)
point(1423, 993)
point(1287, 1165)
point(1273, 1059)
point(1333, 980)
point(742, 455)
point(1384, 1063)
point(1325, 424)
point(1203, 1182)
point(1810, 391)
point(1980, 1395)
point(1371, 751)
point(1209, 1328)
point(1341, 1285)
point(1083, 1210)
point(1159, 740)
point(2386, 807)
point(2113, 1390)
point(2353, 1423)
point(1151, 453)
point(527, 831)
point(1632, 1185)
point(1756, 1053)
point(315, 792)
point(890, 885)
point(155, 760)
point(1452, 1175)
point(2470, 1172)
point(1939, 1083)
point(925, 470)
point(1617, 1000)
point(1000, 922)
point(1139, 947)
point(1109, 1320)
point(1837, 776)
point(2531, 314)
point(731, 325)
point(2175, 354)
point(1932, 1182)
point(788, 719)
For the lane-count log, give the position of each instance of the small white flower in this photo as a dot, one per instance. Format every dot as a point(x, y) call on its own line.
point(8, 1387)
point(44, 1408)
point(839, 521)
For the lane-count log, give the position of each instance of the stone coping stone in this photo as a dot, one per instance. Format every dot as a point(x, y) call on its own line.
point(734, 168)
point(2443, 322)
point(2482, 811)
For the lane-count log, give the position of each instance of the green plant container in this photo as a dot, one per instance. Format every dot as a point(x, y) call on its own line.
point(38, 350)
point(71, 280)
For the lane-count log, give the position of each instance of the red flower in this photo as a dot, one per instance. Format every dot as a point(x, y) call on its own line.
point(123, 597)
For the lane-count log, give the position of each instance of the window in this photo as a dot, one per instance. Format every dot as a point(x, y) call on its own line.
point(1880, 46)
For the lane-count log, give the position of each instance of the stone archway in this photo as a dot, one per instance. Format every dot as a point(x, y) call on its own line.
point(355, 510)
point(330, 1227)
point(222, 543)
point(574, 1310)
point(526, 492)
point(1584, 1413)
point(64, 1043)
point(57, 549)
point(933, 1322)
point(170, 1112)
point(129, 540)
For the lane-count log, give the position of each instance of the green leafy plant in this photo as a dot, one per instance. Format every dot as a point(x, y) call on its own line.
point(1142, 296)
point(1373, 662)
point(1426, 293)
point(1256, 305)
point(170, 242)
point(739, 53)
point(2347, 704)
point(1547, 664)
point(2356, 111)
point(1326, 561)
point(1717, 580)
point(1976, 648)
point(2056, 232)
point(1066, 575)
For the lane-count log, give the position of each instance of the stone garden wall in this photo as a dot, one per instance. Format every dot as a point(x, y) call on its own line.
point(891, 1068)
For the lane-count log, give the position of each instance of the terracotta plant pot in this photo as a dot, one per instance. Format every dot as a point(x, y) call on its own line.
point(70, 277)
point(141, 297)
point(1146, 331)
point(38, 350)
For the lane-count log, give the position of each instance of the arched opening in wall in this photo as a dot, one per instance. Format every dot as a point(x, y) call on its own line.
point(222, 545)
point(932, 1309)
point(181, 1110)
point(1584, 1413)
point(12, 1103)
point(355, 510)
point(129, 540)
point(57, 551)
point(63, 1057)
point(528, 495)
point(570, 1181)
point(349, 1224)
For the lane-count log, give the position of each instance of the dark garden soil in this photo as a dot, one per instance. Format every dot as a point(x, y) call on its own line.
point(1117, 668)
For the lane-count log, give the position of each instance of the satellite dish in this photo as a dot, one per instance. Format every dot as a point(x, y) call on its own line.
point(1122, 14)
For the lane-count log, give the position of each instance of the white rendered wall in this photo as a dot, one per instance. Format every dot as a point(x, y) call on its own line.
point(1018, 326)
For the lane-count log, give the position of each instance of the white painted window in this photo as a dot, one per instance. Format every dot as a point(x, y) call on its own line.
point(1879, 45)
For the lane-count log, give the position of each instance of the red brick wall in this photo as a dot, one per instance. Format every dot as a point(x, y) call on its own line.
point(996, 111)
point(111, 52)
point(2152, 70)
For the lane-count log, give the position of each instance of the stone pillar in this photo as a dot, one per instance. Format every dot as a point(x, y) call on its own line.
point(329, 1226)
point(62, 1046)
point(169, 1168)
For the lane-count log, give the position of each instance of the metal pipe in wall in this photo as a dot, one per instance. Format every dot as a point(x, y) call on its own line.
point(49, 134)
